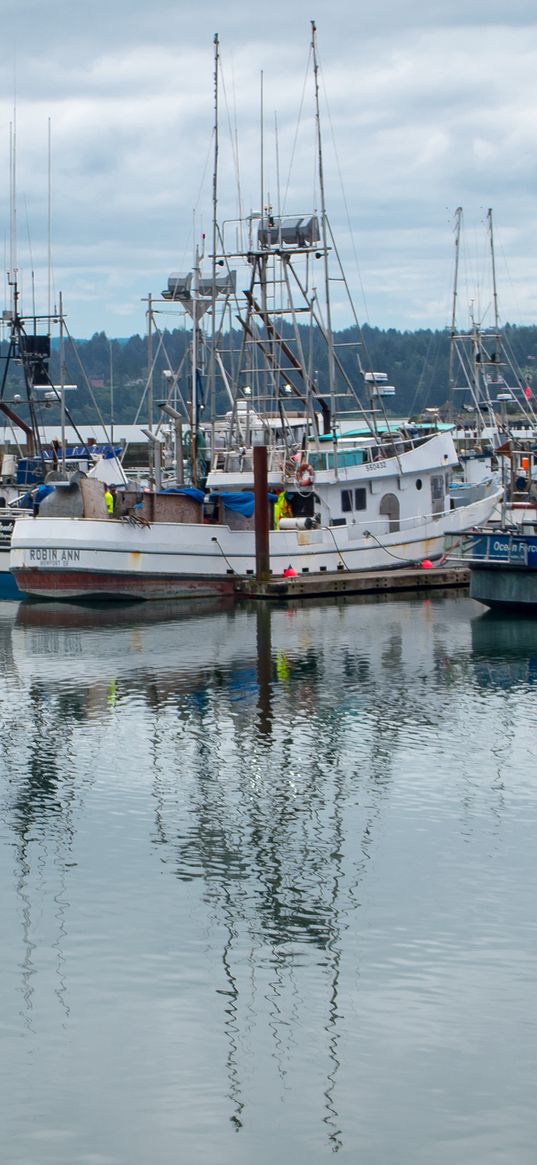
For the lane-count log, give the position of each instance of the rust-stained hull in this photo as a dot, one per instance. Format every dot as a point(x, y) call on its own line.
point(101, 585)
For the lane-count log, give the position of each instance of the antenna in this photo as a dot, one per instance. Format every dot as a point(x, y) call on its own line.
point(49, 230)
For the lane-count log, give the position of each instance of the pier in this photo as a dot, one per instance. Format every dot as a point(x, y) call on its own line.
point(347, 582)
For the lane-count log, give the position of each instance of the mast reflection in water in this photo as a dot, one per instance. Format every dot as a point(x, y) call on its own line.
point(268, 883)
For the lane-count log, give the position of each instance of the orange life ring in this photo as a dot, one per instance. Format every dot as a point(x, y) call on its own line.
point(305, 474)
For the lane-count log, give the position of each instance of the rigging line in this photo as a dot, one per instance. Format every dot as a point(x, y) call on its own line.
point(371, 421)
point(233, 135)
point(346, 206)
point(174, 386)
point(317, 317)
point(32, 270)
point(421, 391)
point(150, 372)
point(307, 73)
point(10, 425)
point(482, 269)
point(340, 265)
point(87, 382)
point(202, 183)
point(511, 360)
point(525, 406)
point(519, 310)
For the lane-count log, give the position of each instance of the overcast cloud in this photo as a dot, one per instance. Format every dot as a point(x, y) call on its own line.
point(424, 110)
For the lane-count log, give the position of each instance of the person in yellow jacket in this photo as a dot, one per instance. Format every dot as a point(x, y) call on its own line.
point(109, 499)
point(282, 509)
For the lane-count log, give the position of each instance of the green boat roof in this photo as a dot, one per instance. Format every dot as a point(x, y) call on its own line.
point(365, 431)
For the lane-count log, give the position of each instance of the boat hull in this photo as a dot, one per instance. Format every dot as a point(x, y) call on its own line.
point(74, 558)
point(102, 584)
point(8, 585)
point(513, 587)
point(503, 568)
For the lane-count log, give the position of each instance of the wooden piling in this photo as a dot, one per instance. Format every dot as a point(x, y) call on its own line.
point(262, 524)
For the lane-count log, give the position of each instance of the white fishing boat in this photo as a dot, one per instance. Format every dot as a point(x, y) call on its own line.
point(32, 466)
point(334, 501)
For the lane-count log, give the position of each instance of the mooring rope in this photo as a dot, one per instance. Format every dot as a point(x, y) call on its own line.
point(224, 555)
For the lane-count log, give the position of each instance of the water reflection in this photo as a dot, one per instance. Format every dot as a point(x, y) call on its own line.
point(505, 649)
point(258, 756)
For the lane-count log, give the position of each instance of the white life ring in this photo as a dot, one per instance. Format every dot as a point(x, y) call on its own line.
point(305, 474)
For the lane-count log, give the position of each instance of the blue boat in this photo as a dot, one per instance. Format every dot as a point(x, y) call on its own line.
point(503, 566)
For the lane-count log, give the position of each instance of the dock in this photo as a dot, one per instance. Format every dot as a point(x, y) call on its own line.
point(348, 582)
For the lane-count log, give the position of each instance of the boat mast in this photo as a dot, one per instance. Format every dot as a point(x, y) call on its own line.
point(493, 268)
point(194, 404)
point(262, 147)
point(62, 383)
point(13, 209)
point(16, 325)
point(497, 336)
point(329, 335)
point(150, 362)
point(212, 365)
point(451, 378)
point(49, 227)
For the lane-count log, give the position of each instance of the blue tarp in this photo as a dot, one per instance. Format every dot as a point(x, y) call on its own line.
point(188, 492)
point(242, 503)
point(34, 498)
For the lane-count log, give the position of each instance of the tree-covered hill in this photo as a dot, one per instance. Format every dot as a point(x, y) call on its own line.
point(417, 363)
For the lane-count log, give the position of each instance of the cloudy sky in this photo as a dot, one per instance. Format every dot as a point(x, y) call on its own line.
point(424, 108)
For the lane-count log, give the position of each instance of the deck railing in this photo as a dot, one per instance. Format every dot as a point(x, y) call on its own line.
point(505, 547)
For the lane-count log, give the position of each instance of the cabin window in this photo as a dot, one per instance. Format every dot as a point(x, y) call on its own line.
point(437, 493)
point(346, 501)
point(359, 499)
point(437, 488)
point(389, 508)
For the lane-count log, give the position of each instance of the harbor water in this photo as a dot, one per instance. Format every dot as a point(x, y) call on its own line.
point(269, 884)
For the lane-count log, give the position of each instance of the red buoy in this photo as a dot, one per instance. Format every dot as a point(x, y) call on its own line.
point(427, 564)
point(290, 572)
